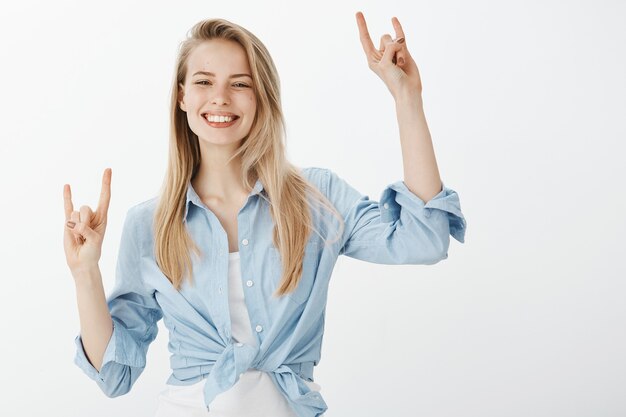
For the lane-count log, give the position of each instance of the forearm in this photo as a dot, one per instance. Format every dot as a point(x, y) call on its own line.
point(96, 326)
point(421, 174)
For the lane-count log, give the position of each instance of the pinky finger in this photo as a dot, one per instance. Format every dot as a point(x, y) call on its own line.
point(400, 55)
point(79, 239)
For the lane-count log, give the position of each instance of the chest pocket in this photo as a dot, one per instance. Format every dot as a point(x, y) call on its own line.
point(309, 270)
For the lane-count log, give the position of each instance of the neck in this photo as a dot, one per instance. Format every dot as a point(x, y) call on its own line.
point(216, 180)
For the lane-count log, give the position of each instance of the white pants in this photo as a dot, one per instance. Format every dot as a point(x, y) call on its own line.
point(253, 395)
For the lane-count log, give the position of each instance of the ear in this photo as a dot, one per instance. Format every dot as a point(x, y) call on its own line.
point(181, 94)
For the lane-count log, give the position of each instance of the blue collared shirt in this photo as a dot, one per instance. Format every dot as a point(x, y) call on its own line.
point(398, 229)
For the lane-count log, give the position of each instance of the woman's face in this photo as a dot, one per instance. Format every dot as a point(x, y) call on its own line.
point(218, 82)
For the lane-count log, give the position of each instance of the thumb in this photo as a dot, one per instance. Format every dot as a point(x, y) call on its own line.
point(83, 230)
point(391, 49)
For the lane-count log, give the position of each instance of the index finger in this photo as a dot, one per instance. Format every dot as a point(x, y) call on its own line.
point(364, 35)
point(67, 201)
point(105, 193)
point(398, 28)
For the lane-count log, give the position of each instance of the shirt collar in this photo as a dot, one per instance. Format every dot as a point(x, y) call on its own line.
point(193, 197)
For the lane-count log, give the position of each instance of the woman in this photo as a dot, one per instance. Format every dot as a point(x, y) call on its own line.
point(245, 315)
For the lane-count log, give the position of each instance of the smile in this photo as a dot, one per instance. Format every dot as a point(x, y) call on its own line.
point(220, 121)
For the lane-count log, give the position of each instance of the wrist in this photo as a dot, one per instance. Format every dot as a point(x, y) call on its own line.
point(87, 275)
point(407, 97)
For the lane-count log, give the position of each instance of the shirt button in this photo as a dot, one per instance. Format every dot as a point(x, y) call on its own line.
point(259, 328)
point(249, 283)
point(245, 241)
point(219, 290)
point(386, 205)
point(239, 344)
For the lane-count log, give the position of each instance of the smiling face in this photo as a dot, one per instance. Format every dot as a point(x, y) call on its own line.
point(218, 83)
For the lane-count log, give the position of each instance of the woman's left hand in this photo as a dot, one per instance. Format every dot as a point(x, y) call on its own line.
point(392, 61)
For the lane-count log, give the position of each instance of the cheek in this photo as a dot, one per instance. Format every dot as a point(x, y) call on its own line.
point(194, 99)
point(193, 94)
point(250, 97)
point(252, 103)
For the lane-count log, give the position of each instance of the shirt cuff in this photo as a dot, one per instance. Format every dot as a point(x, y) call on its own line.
point(397, 195)
point(121, 349)
point(83, 363)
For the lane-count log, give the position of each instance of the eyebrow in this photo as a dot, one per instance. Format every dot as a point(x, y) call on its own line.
point(213, 75)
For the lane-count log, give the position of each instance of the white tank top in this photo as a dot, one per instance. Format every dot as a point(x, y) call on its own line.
point(253, 395)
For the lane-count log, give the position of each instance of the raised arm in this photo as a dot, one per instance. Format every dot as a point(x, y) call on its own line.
point(115, 331)
point(393, 63)
point(82, 240)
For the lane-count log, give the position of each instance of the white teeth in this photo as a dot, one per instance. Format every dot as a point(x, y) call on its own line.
point(219, 119)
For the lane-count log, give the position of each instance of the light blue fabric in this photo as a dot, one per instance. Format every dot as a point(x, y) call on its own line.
point(400, 229)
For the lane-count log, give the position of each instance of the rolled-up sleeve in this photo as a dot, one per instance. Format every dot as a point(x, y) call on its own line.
point(398, 229)
point(135, 313)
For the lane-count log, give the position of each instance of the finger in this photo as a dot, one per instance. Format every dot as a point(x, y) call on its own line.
point(82, 229)
point(397, 27)
point(384, 40)
point(401, 55)
point(86, 214)
point(86, 232)
point(75, 218)
point(68, 233)
point(105, 193)
point(364, 36)
point(74, 235)
point(389, 56)
point(67, 201)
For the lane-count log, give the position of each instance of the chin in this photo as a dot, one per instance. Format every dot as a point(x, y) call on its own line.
point(219, 141)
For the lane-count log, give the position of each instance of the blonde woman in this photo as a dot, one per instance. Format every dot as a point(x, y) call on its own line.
point(236, 252)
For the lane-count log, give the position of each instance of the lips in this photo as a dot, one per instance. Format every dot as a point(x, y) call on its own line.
point(221, 124)
point(219, 113)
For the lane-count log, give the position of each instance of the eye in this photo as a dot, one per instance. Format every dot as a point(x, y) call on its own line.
point(240, 85)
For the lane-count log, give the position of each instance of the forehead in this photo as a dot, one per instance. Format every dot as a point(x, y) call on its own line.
point(220, 56)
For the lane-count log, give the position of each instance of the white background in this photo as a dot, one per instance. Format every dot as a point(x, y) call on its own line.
point(526, 103)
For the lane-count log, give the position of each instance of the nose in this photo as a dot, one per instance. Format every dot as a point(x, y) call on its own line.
point(219, 95)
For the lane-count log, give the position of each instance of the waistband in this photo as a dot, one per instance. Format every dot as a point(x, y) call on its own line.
point(223, 373)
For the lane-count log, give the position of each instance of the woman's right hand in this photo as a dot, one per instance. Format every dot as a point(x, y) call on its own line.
point(83, 241)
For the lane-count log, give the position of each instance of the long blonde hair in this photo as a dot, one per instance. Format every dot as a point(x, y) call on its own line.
point(262, 154)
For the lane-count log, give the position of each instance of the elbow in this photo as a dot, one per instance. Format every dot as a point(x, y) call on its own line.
point(442, 255)
point(118, 383)
point(441, 252)
point(437, 251)
point(115, 393)
point(429, 256)
point(440, 248)
point(421, 255)
point(428, 245)
point(116, 390)
point(121, 389)
point(433, 258)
